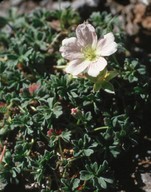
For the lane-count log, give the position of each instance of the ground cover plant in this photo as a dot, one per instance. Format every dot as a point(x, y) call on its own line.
point(61, 131)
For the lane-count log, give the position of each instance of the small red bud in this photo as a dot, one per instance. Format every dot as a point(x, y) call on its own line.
point(50, 132)
point(74, 111)
point(58, 132)
point(33, 87)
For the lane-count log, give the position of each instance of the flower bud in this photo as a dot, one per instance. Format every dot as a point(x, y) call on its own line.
point(50, 132)
point(75, 112)
point(33, 87)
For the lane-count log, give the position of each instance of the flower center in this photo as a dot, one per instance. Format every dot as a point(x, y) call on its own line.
point(89, 53)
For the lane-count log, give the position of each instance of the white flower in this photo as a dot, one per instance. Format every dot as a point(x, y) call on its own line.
point(85, 52)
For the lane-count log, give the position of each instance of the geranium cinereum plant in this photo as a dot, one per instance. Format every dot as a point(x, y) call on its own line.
point(86, 53)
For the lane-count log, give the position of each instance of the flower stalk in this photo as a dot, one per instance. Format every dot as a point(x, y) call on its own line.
point(2, 154)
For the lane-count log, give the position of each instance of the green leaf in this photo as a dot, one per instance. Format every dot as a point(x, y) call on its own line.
point(85, 175)
point(111, 75)
point(88, 116)
point(57, 110)
point(102, 81)
point(108, 87)
point(3, 109)
point(94, 167)
point(75, 183)
point(102, 182)
point(3, 22)
point(88, 152)
point(97, 86)
point(3, 184)
point(108, 180)
point(50, 102)
point(66, 135)
point(3, 131)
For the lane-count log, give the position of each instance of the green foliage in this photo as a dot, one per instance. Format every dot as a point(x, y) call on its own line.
point(70, 185)
point(46, 144)
point(83, 147)
point(94, 174)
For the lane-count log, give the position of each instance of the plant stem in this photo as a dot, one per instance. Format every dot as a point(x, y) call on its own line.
point(60, 148)
point(101, 128)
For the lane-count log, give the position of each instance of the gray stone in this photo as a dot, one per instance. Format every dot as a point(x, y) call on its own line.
point(146, 179)
point(61, 5)
point(90, 3)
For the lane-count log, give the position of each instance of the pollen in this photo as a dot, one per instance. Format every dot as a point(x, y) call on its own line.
point(89, 53)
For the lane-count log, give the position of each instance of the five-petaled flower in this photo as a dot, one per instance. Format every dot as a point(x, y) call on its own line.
point(74, 111)
point(86, 52)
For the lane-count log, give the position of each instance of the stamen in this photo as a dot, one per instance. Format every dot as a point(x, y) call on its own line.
point(89, 53)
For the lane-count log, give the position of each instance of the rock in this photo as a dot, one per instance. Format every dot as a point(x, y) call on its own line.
point(76, 4)
point(146, 2)
point(61, 5)
point(15, 2)
point(90, 3)
point(146, 179)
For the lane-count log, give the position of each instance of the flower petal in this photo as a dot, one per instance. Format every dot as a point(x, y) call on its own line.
point(86, 35)
point(107, 46)
point(96, 66)
point(70, 49)
point(76, 67)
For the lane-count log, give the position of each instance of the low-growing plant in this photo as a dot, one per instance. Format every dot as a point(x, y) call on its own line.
point(62, 133)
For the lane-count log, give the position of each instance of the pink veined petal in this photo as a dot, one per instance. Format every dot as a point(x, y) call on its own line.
point(107, 46)
point(109, 36)
point(109, 50)
point(76, 67)
point(86, 35)
point(70, 49)
point(72, 55)
point(96, 66)
point(69, 41)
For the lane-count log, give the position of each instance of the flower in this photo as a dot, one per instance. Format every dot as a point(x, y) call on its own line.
point(85, 52)
point(74, 111)
point(58, 132)
point(33, 87)
point(2, 104)
point(51, 132)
